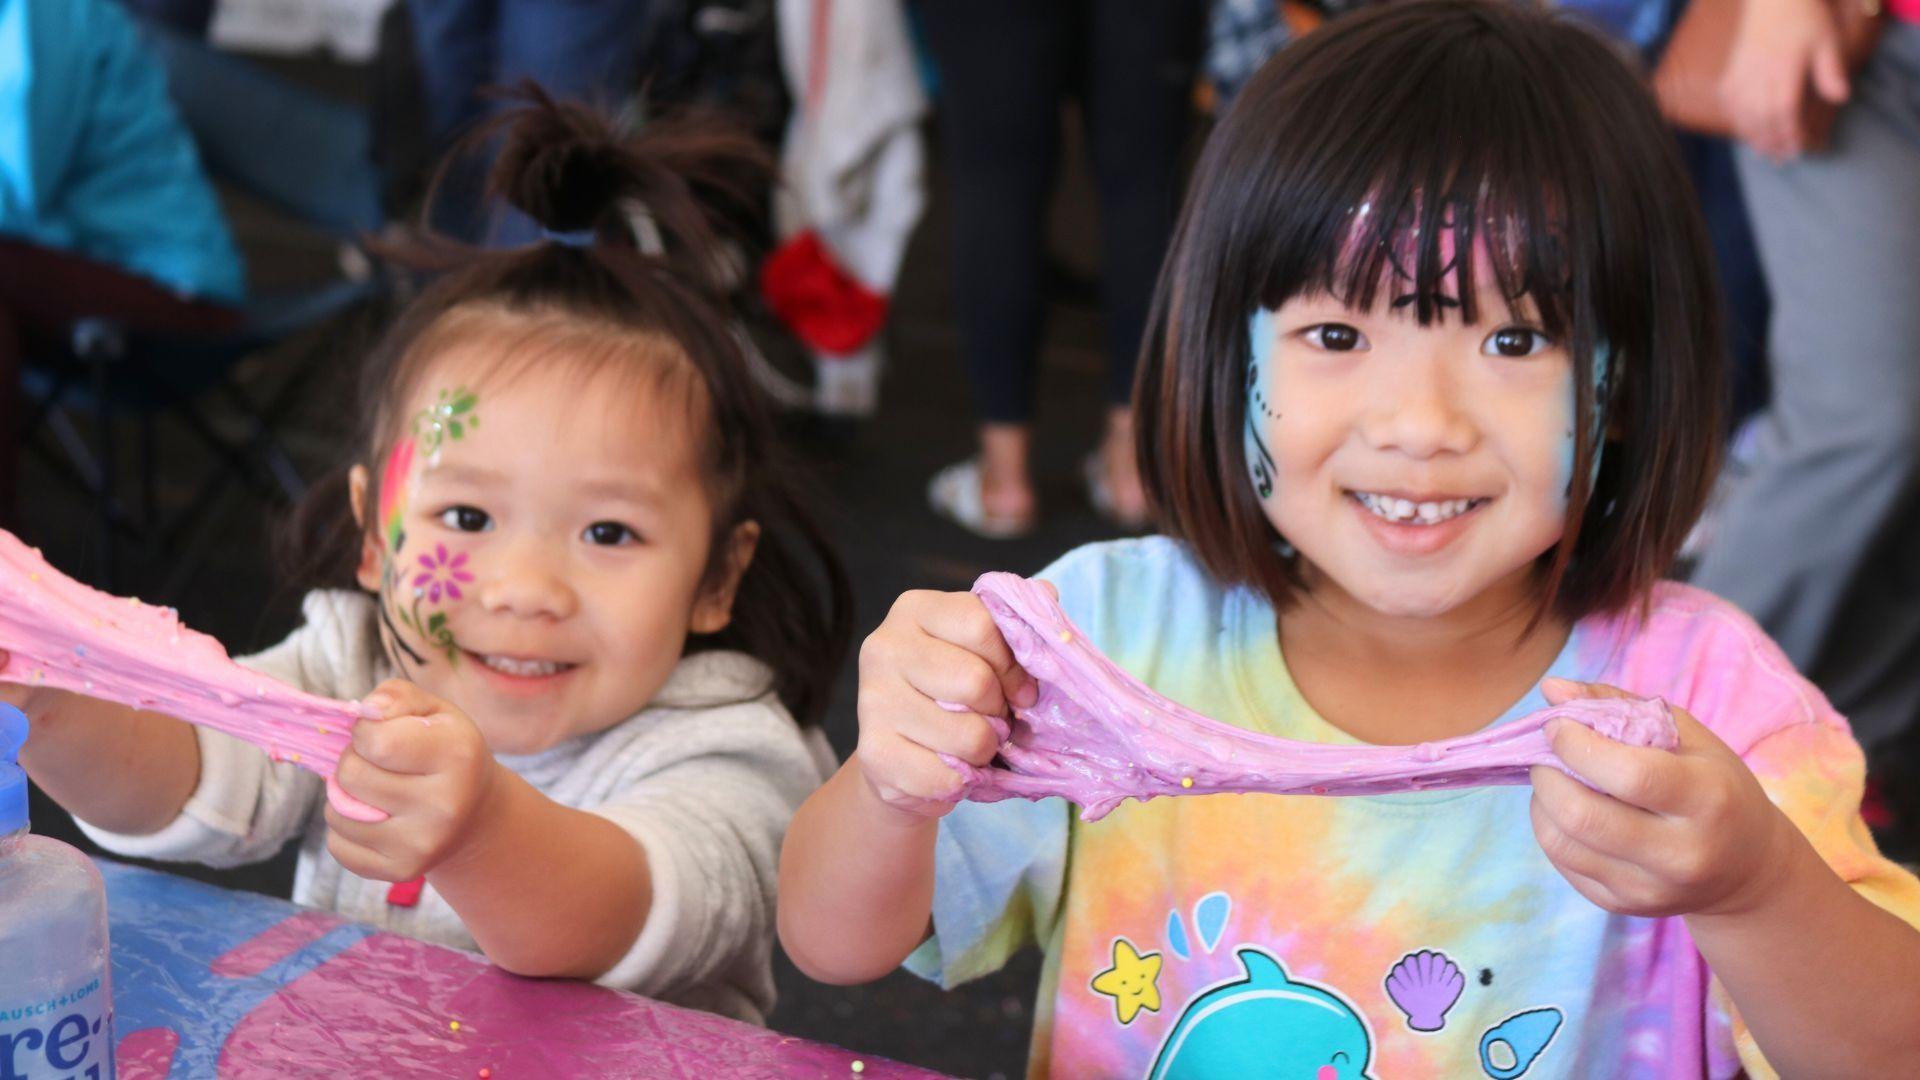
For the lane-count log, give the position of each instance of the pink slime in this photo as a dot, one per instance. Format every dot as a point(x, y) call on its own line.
point(60, 633)
point(1097, 735)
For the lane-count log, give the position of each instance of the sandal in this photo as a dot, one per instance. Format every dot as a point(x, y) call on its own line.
point(954, 494)
point(1094, 471)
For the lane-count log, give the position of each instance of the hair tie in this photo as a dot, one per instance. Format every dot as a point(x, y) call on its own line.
point(578, 238)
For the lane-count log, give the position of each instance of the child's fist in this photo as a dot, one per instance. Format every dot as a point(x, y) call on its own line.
point(425, 764)
point(1674, 832)
point(935, 678)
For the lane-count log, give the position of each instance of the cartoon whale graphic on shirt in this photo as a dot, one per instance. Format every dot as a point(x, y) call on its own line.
point(1266, 1025)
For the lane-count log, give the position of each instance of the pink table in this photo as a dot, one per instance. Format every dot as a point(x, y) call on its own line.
point(211, 982)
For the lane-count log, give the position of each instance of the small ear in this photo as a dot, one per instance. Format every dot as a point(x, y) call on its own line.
point(713, 610)
point(367, 573)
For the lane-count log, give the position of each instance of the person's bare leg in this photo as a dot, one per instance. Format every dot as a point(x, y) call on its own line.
point(1122, 469)
point(1006, 484)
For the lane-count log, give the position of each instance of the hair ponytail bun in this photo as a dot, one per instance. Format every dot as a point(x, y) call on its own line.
point(566, 166)
point(560, 164)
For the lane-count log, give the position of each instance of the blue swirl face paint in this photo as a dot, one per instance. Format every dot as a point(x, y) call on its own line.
point(1260, 464)
point(1602, 369)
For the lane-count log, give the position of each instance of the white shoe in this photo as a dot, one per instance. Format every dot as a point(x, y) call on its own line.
point(954, 494)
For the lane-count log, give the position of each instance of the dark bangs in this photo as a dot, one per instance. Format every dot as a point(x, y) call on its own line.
point(1398, 156)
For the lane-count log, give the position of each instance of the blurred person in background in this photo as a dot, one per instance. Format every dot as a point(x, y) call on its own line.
point(105, 210)
point(1005, 67)
point(1815, 536)
point(578, 50)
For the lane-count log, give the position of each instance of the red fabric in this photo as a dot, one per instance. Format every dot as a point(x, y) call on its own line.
point(818, 300)
point(406, 893)
point(1905, 10)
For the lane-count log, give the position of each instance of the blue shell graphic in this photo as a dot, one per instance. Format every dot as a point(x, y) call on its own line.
point(1510, 1048)
point(1266, 1025)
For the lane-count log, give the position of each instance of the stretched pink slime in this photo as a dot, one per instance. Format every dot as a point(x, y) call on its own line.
point(1096, 735)
point(60, 633)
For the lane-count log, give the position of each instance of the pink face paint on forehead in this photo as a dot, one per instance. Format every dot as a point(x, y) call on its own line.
point(1097, 736)
point(1497, 249)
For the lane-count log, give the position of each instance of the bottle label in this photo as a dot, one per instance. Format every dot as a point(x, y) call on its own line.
point(66, 1037)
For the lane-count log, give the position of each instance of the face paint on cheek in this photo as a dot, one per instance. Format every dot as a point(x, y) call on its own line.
point(440, 575)
point(1260, 411)
point(397, 483)
point(1602, 370)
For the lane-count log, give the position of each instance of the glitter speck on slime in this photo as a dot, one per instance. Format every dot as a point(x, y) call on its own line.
point(60, 633)
point(1096, 735)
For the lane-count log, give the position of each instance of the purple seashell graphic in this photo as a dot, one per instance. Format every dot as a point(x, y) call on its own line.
point(1424, 985)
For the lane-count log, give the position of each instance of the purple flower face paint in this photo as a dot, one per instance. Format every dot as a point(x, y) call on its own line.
point(439, 571)
point(439, 574)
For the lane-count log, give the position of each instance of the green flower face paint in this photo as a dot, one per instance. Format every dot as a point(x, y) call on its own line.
point(439, 574)
point(449, 417)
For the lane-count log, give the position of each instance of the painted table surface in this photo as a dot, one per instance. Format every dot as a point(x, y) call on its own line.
point(209, 982)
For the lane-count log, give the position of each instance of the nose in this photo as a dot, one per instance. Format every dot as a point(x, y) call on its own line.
point(1418, 408)
point(526, 579)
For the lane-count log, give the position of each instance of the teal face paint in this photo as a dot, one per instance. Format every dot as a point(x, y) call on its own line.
point(1260, 465)
point(1602, 372)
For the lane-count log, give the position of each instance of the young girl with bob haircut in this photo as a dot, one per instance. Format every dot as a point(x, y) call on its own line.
point(569, 556)
point(1429, 403)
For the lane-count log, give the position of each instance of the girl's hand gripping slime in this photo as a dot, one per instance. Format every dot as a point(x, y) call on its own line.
point(59, 633)
point(1096, 735)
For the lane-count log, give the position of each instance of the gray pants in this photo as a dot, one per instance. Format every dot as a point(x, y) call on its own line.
point(1820, 538)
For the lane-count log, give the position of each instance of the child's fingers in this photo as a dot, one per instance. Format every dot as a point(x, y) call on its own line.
point(366, 782)
point(398, 697)
point(894, 705)
point(1697, 738)
point(1559, 691)
point(1596, 875)
point(1645, 777)
point(953, 673)
point(1605, 825)
point(362, 859)
point(905, 772)
point(961, 619)
point(964, 735)
point(415, 744)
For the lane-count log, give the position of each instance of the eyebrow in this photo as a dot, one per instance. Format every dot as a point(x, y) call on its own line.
point(631, 488)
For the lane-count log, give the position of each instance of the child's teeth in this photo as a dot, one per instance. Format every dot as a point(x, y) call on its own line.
point(523, 668)
point(1427, 513)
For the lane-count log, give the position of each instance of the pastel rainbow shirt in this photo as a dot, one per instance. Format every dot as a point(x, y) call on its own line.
point(1403, 935)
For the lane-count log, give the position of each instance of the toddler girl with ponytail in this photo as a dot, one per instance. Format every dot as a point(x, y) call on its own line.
point(574, 580)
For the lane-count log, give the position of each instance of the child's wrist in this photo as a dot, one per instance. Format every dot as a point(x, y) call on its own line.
point(493, 810)
point(1787, 863)
point(889, 814)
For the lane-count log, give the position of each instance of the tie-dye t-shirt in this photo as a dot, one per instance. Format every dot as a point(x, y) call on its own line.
point(1404, 935)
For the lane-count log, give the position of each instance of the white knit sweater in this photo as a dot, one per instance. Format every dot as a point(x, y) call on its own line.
point(705, 778)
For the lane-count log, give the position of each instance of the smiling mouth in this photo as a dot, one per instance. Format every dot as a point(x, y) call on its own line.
point(1411, 512)
point(521, 667)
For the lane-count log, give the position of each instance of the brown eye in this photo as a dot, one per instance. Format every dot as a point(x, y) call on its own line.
point(1336, 337)
point(1514, 341)
point(465, 519)
point(609, 534)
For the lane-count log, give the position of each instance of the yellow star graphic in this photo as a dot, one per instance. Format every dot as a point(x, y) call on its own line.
point(1133, 982)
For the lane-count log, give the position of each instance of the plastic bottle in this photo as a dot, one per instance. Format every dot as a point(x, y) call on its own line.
point(56, 993)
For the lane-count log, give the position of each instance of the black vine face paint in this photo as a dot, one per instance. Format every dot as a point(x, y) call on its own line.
point(438, 574)
point(1260, 466)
